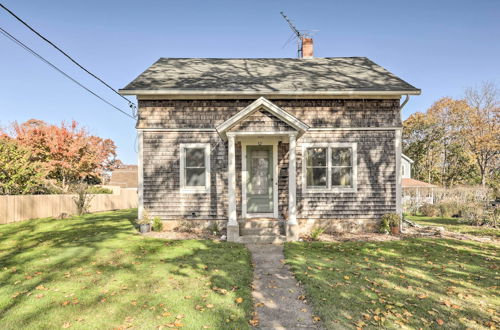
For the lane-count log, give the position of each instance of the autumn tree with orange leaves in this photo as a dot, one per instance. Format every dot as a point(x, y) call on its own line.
point(456, 141)
point(68, 153)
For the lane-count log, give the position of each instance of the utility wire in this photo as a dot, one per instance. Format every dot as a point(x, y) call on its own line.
point(131, 104)
point(18, 42)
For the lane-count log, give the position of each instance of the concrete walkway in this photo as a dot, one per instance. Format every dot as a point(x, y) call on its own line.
point(277, 295)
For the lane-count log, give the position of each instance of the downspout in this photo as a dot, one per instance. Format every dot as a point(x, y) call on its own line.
point(404, 102)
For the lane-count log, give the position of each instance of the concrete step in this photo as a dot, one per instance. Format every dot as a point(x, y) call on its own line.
point(262, 239)
point(257, 223)
point(274, 230)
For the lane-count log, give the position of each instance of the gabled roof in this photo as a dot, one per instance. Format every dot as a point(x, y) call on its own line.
point(408, 159)
point(260, 104)
point(268, 76)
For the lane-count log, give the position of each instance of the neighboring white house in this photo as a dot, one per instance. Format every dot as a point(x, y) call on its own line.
point(406, 166)
point(415, 192)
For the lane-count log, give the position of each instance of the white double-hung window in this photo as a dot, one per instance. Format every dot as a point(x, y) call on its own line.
point(329, 167)
point(195, 167)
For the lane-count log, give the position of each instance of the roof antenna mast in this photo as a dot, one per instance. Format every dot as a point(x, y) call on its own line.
point(302, 38)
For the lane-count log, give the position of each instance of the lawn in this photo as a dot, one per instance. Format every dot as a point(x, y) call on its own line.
point(453, 224)
point(413, 283)
point(95, 271)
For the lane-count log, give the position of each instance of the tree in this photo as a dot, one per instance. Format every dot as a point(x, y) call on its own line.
point(69, 153)
point(479, 123)
point(420, 142)
point(18, 174)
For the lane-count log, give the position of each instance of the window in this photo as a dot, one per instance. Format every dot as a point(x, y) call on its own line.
point(195, 168)
point(330, 167)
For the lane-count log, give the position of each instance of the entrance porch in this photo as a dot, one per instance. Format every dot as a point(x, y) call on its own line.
point(259, 184)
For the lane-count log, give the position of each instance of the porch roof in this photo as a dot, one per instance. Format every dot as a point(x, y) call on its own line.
point(412, 183)
point(258, 105)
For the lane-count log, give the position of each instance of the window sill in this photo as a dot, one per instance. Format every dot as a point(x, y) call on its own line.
point(202, 190)
point(329, 191)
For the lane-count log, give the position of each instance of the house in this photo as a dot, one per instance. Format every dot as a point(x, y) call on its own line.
point(125, 177)
point(270, 146)
point(406, 163)
point(415, 192)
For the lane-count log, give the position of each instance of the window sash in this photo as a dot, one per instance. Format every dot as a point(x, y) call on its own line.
point(195, 171)
point(330, 169)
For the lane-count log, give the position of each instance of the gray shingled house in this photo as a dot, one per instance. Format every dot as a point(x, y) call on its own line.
point(269, 147)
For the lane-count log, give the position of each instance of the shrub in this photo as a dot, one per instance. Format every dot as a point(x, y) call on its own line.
point(449, 209)
point(145, 218)
point(99, 190)
point(82, 199)
point(392, 219)
point(384, 227)
point(429, 210)
point(316, 233)
point(186, 227)
point(214, 228)
point(157, 224)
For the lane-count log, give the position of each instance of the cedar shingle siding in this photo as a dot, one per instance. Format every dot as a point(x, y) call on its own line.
point(376, 159)
point(315, 113)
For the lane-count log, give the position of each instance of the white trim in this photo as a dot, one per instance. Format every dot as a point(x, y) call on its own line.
point(329, 189)
point(270, 133)
point(231, 183)
point(397, 145)
point(265, 141)
point(174, 92)
point(140, 178)
point(269, 97)
point(408, 159)
point(257, 105)
point(353, 128)
point(177, 129)
point(258, 133)
point(292, 180)
point(182, 158)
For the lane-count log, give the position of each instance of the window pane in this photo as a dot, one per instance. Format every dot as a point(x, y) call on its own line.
point(195, 157)
point(316, 177)
point(195, 177)
point(341, 156)
point(341, 176)
point(316, 156)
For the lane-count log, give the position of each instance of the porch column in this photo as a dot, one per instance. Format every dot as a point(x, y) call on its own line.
point(232, 224)
point(292, 225)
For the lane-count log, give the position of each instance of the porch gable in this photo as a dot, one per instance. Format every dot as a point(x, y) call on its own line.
point(267, 114)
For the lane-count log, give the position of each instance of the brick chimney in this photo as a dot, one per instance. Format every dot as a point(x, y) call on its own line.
point(307, 47)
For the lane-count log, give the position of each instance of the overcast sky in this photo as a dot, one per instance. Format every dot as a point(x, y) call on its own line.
point(440, 46)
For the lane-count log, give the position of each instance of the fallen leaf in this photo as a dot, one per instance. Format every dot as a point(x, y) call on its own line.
point(66, 325)
point(210, 306)
point(239, 300)
point(440, 322)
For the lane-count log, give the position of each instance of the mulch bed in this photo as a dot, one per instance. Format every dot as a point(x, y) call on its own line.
point(407, 232)
point(179, 235)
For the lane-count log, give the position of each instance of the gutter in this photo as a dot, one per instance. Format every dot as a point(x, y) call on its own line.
point(173, 92)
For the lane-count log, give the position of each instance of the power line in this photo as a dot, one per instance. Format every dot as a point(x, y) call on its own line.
point(25, 47)
point(131, 104)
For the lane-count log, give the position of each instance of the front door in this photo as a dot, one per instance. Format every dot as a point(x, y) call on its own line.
point(259, 179)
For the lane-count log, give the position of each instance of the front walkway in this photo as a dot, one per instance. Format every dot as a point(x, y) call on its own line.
point(279, 300)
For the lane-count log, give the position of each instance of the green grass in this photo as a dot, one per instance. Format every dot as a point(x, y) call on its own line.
point(95, 271)
point(413, 283)
point(453, 224)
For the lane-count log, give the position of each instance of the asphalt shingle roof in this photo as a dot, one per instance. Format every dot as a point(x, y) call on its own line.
point(268, 75)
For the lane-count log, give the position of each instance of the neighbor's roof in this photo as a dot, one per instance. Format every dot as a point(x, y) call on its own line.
point(294, 76)
point(409, 183)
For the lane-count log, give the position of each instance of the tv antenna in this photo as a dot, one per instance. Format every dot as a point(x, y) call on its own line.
point(298, 34)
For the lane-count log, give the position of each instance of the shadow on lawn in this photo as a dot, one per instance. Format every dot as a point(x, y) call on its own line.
point(395, 275)
point(107, 244)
